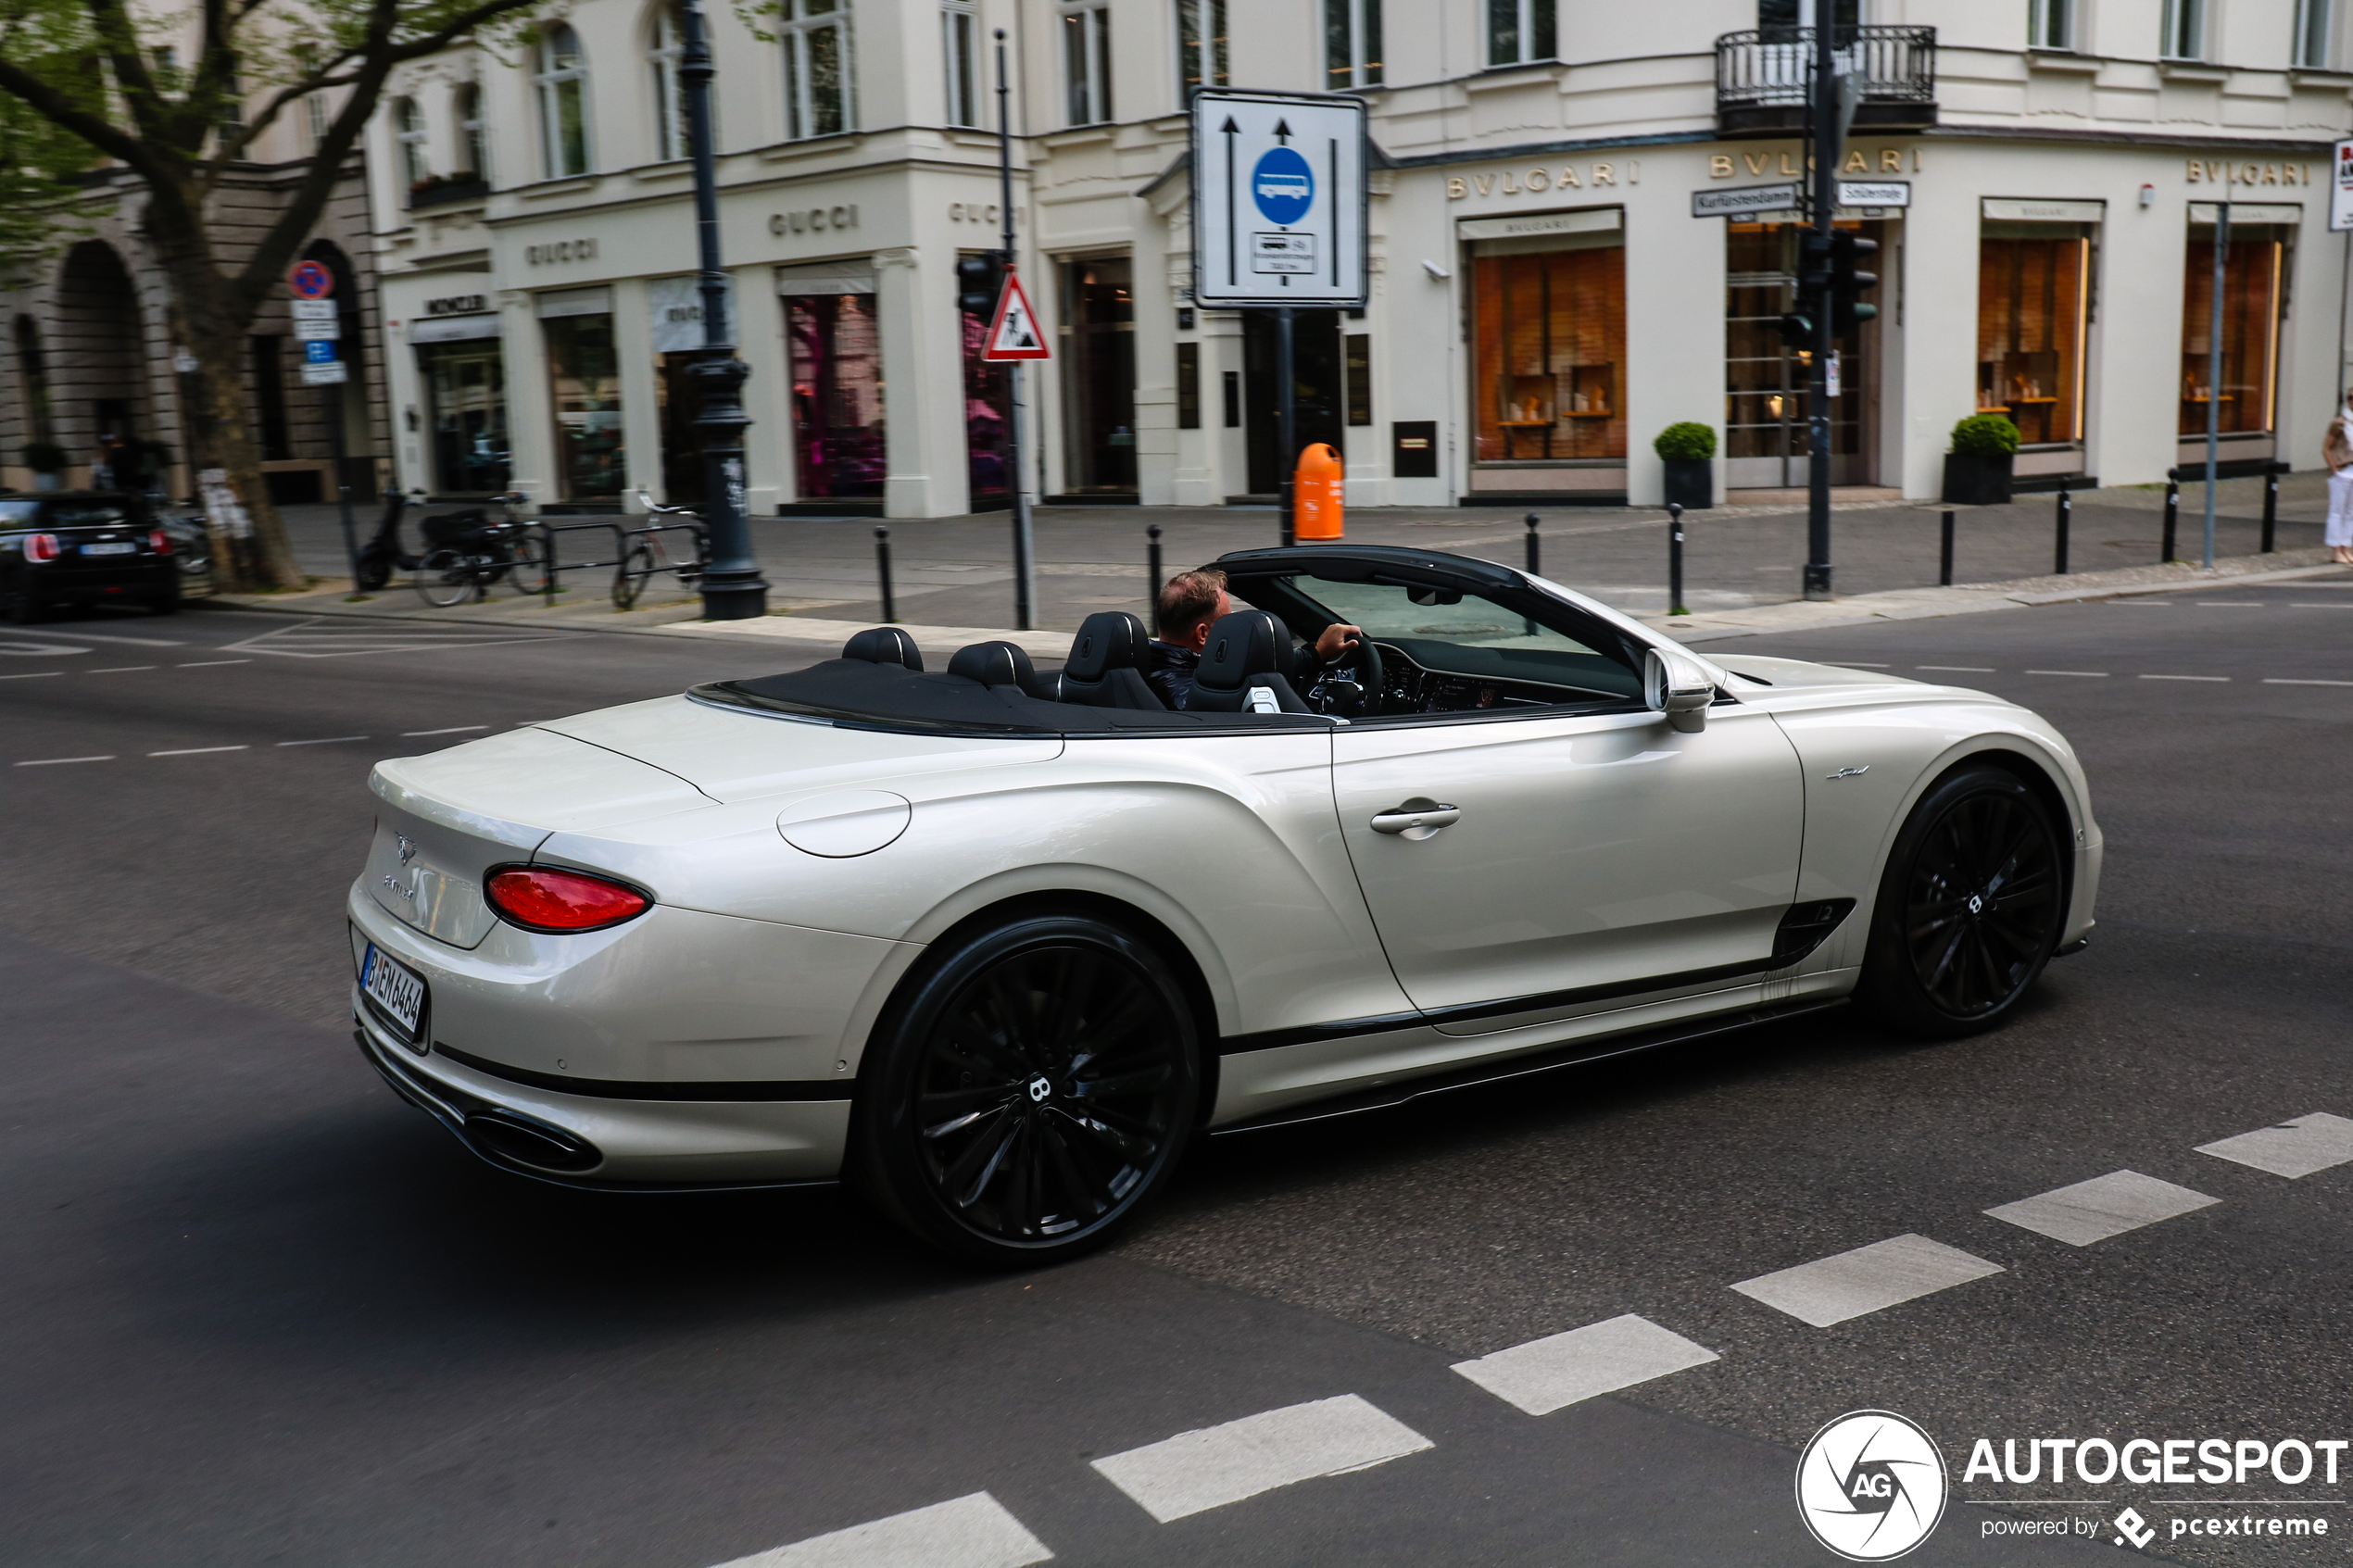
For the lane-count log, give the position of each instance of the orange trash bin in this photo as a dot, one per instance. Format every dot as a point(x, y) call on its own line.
point(1315, 494)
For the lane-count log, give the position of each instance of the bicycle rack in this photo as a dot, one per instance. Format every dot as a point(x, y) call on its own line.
point(624, 538)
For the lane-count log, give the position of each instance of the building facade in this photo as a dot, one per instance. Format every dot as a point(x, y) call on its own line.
point(2042, 177)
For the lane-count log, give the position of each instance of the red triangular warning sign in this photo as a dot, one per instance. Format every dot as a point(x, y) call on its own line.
point(1014, 332)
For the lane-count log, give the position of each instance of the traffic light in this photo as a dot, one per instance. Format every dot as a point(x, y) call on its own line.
point(1848, 309)
point(979, 279)
point(1797, 331)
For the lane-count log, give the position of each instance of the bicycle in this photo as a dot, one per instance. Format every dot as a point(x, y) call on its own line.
point(466, 555)
point(647, 553)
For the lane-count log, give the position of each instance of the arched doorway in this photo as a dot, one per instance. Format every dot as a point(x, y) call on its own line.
point(97, 357)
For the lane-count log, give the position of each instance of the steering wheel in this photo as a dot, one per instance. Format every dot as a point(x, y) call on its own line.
point(1361, 664)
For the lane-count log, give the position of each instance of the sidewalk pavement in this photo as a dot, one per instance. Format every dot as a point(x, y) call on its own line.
point(953, 580)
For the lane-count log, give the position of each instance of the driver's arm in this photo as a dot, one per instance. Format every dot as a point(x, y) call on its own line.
point(1328, 646)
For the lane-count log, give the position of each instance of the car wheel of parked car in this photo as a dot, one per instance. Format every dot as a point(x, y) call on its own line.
point(163, 604)
point(1969, 906)
point(1028, 1090)
point(20, 603)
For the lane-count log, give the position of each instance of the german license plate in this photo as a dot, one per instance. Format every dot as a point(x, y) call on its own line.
point(114, 549)
point(398, 991)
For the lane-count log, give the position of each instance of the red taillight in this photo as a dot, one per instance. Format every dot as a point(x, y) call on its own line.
point(544, 898)
point(159, 541)
point(41, 546)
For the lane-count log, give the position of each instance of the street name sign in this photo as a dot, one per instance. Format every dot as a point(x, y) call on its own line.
point(1743, 200)
point(328, 372)
point(1874, 193)
point(1012, 333)
point(1278, 200)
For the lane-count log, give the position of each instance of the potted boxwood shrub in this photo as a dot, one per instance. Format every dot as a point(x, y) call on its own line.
point(1977, 470)
point(46, 459)
point(1689, 452)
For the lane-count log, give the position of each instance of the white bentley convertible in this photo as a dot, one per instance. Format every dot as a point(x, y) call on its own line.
point(995, 945)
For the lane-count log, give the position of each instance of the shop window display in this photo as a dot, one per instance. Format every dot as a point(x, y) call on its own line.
point(836, 348)
point(584, 384)
point(1550, 329)
point(2031, 304)
point(2252, 267)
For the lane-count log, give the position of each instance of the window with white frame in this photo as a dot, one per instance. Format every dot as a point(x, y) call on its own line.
point(1351, 44)
point(1200, 47)
point(562, 83)
point(1087, 63)
point(2051, 24)
point(819, 97)
point(409, 119)
point(960, 52)
point(2185, 30)
point(473, 146)
point(1521, 31)
point(670, 102)
point(2313, 40)
point(315, 121)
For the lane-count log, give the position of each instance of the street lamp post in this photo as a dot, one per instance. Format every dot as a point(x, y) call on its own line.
point(732, 586)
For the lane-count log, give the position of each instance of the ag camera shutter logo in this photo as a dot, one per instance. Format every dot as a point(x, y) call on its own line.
point(1870, 1486)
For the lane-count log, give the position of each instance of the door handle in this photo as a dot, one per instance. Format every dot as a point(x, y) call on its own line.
point(1416, 819)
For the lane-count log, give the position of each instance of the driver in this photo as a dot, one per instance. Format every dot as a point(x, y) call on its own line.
point(1190, 603)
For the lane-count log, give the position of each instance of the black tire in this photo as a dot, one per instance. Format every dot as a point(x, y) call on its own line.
point(166, 603)
point(21, 602)
point(375, 570)
point(637, 570)
point(1969, 906)
point(445, 578)
point(1028, 1091)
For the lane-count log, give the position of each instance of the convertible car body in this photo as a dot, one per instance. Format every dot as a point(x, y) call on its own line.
point(996, 943)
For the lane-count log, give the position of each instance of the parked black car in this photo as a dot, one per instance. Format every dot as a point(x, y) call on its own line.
point(82, 546)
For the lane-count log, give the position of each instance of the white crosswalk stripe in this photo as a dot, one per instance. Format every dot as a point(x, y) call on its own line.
point(1194, 1471)
point(2293, 1148)
point(970, 1531)
point(2103, 1207)
point(1830, 1290)
point(1545, 1375)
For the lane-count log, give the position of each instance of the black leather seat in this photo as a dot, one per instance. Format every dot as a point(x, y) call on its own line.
point(1105, 666)
point(1002, 664)
point(885, 645)
point(1247, 650)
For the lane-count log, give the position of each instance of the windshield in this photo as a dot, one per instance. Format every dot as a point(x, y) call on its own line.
point(1462, 633)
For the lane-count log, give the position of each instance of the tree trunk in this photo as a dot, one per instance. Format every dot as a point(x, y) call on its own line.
point(250, 551)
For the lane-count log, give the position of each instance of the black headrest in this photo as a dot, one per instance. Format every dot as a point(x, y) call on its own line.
point(1112, 639)
point(996, 664)
point(884, 645)
point(1247, 643)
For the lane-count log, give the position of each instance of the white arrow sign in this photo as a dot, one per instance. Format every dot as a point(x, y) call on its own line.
point(1279, 199)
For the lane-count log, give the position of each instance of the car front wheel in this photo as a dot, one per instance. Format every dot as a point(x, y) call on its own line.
point(1029, 1092)
point(1969, 906)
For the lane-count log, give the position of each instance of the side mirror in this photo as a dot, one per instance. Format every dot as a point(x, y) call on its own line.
point(1677, 688)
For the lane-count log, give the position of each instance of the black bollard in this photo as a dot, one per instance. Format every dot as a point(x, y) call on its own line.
point(1152, 573)
point(2270, 504)
point(1675, 559)
point(2066, 515)
point(2172, 514)
point(1944, 554)
point(1533, 568)
point(882, 565)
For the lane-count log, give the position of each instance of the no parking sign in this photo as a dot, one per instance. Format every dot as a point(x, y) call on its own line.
point(310, 279)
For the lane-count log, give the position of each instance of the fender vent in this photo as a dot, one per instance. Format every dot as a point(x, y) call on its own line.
point(1807, 927)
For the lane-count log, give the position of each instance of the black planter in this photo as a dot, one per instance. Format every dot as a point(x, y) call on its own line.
point(1691, 483)
point(1976, 481)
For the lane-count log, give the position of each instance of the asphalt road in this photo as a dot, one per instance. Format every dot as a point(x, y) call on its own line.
point(262, 1311)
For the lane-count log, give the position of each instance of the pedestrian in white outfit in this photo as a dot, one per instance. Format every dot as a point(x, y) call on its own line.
point(2337, 450)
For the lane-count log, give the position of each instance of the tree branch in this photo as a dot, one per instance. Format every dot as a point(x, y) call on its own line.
point(61, 111)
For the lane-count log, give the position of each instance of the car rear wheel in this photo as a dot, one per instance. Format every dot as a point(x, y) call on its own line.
point(1029, 1092)
point(1969, 906)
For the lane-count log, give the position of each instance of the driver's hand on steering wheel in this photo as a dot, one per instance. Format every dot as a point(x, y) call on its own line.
point(1336, 640)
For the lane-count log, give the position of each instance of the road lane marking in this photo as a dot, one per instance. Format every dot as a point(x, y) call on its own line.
point(78, 635)
point(325, 740)
point(2293, 1148)
point(970, 1531)
point(118, 669)
point(2228, 604)
point(198, 750)
point(1958, 669)
point(2084, 674)
point(452, 730)
point(2185, 677)
point(1863, 664)
point(1194, 1471)
point(212, 663)
point(2268, 679)
point(55, 762)
point(15, 650)
point(32, 675)
point(2317, 605)
point(1544, 1376)
point(2103, 1207)
point(1830, 1290)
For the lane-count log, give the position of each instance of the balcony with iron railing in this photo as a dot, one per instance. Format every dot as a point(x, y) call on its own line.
point(1762, 77)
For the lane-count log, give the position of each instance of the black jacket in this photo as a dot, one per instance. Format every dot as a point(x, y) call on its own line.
point(1171, 675)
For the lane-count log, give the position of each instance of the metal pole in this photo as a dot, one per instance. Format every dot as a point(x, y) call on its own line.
point(1675, 559)
point(1944, 554)
point(2066, 516)
point(1535, 555)
point(1151, 572)
point(882, 567)
point(2172, 513)
point(343, 489)
point(2270, 504)
point(1817, 265)
point(1286, 422)
point(732, 586)
point(2214, 371)
point(1025, 562)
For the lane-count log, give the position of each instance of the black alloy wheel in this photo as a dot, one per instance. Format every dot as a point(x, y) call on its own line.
point(1969, 907)
point(1030, 1092)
